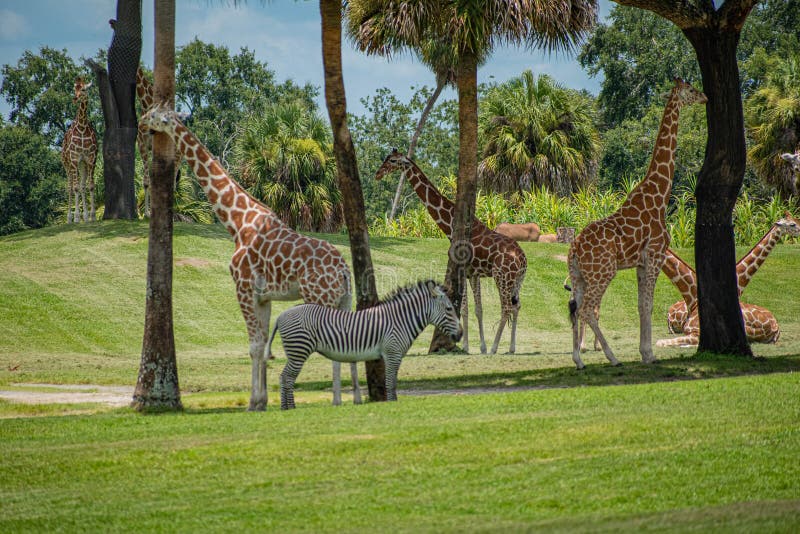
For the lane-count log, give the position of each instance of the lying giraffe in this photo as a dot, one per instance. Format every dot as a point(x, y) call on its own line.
point(271, 261)
point(746, 268)
point(634, 236)
point(494, 254)
point(760, 324)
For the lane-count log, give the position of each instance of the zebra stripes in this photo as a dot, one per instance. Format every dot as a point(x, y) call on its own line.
point(383, 331)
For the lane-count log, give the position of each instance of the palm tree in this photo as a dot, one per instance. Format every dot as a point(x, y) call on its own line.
point(538, 134)
point(773, 122)
point(472, 27)
point(285, 158)
point(157, 383)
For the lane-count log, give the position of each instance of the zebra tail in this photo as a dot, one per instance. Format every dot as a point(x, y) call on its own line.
point(271, 337)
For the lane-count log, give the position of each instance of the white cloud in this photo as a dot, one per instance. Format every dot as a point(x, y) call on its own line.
point(12, 25)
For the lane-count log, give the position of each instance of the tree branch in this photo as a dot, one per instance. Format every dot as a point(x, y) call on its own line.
point(683, 13)
point(733, 13)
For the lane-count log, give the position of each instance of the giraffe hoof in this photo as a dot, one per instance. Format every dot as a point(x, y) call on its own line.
point(581, 368)
point(616, 364)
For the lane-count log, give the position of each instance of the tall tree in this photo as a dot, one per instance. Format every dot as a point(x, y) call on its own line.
point(714, 34)
point(117, 94)
point(349, 183)
point(472, 27)
point(157, 385)
point(537, 134)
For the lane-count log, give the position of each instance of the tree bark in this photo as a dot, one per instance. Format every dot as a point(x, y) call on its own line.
point(347, 174)
point(157, 385)
point(718, 185)
point(460, 254)
point(118, 91)
point(412, 145)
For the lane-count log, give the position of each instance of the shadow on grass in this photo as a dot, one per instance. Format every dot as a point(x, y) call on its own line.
point(138, 229)
point(698, 366)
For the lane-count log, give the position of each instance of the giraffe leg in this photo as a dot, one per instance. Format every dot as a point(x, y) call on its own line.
point(646, 286)
point(92, 211)
point(69, 197)
point(76, 198)
point(82, 188)
point(476, 294)
point(465, 321)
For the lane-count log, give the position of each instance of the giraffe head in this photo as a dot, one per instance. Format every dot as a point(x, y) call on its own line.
point(160, 118)
point(686, 94)
point(80, 89)
point(788, 225)
point(793, 159)
point(393, 162)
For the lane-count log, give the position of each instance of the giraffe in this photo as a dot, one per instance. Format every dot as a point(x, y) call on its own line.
point(634, 236)
point(746, 268)
point(271, 262)
point(760, 324)
point(78, 155)
point(144, 139)
point(494, 255)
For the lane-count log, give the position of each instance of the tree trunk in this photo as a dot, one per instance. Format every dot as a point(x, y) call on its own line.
point(118, 92)
point(347, 174)
point(423, 118)
point(718, 185)
point(157, 386)
point(460, 254)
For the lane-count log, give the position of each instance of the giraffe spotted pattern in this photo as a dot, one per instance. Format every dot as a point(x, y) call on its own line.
point(78, 155)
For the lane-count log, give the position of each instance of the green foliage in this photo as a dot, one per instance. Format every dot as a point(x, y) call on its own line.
point(39, 89)
point(284, 156)
point(773, 121)
point(32, 186)
point(537, 134)
point(637, 52)
point(389, 123)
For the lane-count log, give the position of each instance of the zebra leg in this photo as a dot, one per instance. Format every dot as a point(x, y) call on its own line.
point(288, 378)
point(392, 367)
point(356, 388)
point(475, 282)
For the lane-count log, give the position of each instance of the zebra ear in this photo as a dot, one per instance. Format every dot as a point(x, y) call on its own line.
point(435, 290)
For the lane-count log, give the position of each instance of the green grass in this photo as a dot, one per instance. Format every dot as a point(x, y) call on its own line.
point(694, 442)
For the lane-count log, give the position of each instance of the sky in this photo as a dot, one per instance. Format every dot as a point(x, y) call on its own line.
point(283, 33)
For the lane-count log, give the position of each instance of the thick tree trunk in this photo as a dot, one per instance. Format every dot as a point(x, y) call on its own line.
point(412, 145)
point(460, 254)
point(349, 183)
point(118, 91)
point(157, 386)
point(718, 185)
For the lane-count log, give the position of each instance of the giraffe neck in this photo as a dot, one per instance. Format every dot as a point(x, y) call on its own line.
point(654, 190)
point(683, 277)
point(82, 118)
point(749, 264)
point(233, 205)
point(144, 90)
point(440, 208)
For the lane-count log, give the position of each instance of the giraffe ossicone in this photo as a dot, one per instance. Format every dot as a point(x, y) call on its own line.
point(493, 255)
point(634, 236)
point(270, 262)
point(78, 155)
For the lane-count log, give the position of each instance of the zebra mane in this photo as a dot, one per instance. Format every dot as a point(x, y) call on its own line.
point(401, 292)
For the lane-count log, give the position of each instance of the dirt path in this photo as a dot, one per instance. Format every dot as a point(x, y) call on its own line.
point(70, 394)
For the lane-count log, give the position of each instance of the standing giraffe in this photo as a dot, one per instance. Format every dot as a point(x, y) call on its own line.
point(494, 254)
point(760, 324)
point(634, 236)
point(144, 139)
point(78, 155)
point(271, 261)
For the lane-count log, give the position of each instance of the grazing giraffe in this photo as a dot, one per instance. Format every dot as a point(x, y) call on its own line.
point(144, 139)
point(271, 261)
point(634, 236)
point(78, 155)
point(494, 254)
point(760, 324)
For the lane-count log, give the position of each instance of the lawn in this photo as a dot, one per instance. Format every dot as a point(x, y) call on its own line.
point(515, 442)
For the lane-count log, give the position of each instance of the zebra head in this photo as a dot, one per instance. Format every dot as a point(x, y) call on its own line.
point(441, 312)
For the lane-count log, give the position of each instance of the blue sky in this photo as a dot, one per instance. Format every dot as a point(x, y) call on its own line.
point(283, 33)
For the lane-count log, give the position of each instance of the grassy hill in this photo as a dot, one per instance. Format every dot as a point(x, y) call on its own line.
point(72, 305)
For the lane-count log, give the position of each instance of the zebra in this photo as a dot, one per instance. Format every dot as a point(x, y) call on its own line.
point(386, 331)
